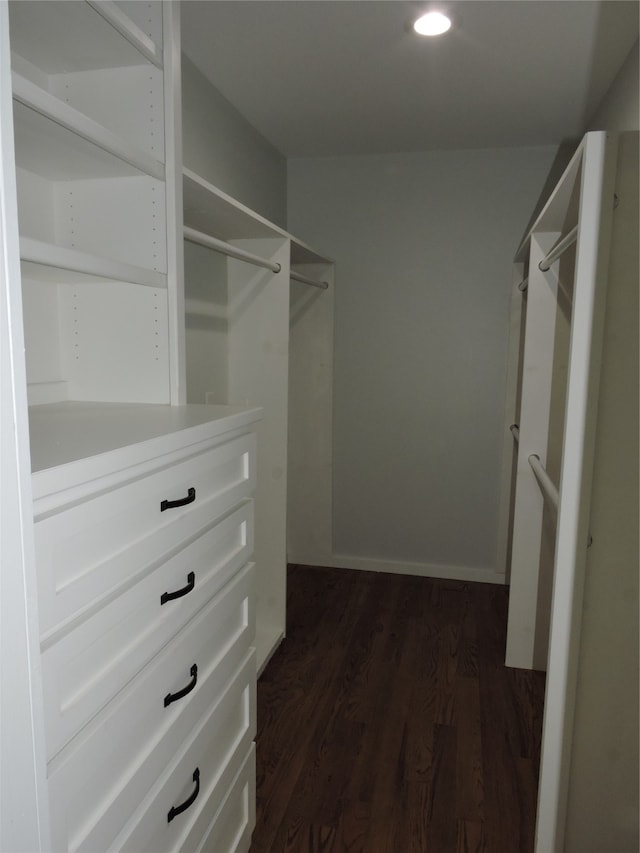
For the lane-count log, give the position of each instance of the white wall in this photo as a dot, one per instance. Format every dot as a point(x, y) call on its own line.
point(620, 106)
point(423, 244)
point(221, 146)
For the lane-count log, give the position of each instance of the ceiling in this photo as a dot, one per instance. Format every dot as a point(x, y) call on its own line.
point(325, 77)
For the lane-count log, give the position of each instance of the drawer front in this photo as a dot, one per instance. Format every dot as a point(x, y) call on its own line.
point(179, 807)
point(88, 666)
point(89, 552)
point(98, 780)
point(233, 826)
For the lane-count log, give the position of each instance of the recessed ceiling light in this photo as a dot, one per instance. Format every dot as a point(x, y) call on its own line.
point(432, 24)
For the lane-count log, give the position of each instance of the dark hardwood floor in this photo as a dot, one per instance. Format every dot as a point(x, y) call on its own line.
point(388, 722)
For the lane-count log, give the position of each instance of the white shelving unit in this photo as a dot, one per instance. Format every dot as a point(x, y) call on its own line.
point(31, 96)
point(106, 370)
point(92, 151)
point(557, 390)
point(558, 324)
point(127, 499)
point(247, 339)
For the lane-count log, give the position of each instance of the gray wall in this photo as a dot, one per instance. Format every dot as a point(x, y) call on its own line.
point(222, 147)
point(620, 106)
point(423, 246)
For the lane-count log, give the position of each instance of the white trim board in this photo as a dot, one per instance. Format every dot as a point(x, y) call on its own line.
point(427, 570)
point(267, 642)
point(310, 558)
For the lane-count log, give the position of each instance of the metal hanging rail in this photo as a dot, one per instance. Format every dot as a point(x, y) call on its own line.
point(524, 284)
point(297, 276)
point(544, 480)
point(560, 247)
point(515, 432)
point(194, 236)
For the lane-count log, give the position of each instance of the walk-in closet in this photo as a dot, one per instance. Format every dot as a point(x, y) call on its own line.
point(319, 427)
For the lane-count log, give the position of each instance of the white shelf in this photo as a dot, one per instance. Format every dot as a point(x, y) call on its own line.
point(560, 213)
point(52, 108)
point(78, 36)
point(208, 209)
point(115, 16)
point(59, 265)
point(303, 254)
point(82, 432)
point(50, 150)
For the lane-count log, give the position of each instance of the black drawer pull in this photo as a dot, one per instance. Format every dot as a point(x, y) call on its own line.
point(190, 498)
point(169, 596)
point(173, 697)
point(174, 811)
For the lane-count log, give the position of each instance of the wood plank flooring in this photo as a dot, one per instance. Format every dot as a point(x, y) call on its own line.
point(387, 722)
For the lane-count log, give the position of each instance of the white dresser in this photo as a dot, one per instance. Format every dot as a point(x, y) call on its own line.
point(145, 598)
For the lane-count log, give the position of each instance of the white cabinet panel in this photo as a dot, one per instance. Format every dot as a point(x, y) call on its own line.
point(216, 750)
point(84, 669)
point(122, 218)
point(128, 101)
point(53, 152)
point(69, 36)
point(96, 369)
point(232, 826)
point(35, 205)
point(147, 16)
point(93, 786)
point(91, 549)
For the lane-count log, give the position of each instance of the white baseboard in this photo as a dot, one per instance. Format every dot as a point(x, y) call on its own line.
point(309, 559)
point(427, 570)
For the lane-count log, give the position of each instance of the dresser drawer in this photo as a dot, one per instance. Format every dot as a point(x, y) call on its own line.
point(196, 781)
point(96, 782)
point(84, 669)
point(88, 552)
point(233, 826)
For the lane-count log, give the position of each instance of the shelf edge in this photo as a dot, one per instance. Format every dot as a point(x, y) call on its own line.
point(128, 30)
point(60, 257)
point(35, 98)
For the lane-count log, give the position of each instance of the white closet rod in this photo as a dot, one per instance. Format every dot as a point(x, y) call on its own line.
point(515, 432)
point(560, 247)
point(194, 236)
point(524, 284)
point(297, 276)
point(544, 480)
